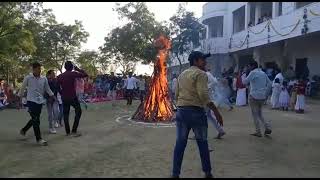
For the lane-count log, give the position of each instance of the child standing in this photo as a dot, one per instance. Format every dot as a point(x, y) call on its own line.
point(276, 89)
point(284, 97)
point(293, 92)
point(300, 103)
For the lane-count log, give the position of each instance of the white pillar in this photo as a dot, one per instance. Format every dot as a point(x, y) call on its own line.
point(257, 55)
point(247, 15)
point(236, 58)
point(275, 9)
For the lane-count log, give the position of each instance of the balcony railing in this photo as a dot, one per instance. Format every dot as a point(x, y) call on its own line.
point(297, 23)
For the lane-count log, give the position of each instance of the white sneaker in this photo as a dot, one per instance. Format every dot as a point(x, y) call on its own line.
point(42, 142)
point(52, 131)
point(56, 125)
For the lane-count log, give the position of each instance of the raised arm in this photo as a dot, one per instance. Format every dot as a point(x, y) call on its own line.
point(248, 78)
point(80, 73)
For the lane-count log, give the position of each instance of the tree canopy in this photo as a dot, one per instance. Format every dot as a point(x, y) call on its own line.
point(133, 42)
point(29, 32)
point(185, 31)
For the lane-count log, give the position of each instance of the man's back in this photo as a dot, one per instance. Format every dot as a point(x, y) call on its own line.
point(67, 82)
point(192, 88)
point(259, 83)
point(141, 84)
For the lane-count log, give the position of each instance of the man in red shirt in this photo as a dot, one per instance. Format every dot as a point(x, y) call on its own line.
point(69, 97)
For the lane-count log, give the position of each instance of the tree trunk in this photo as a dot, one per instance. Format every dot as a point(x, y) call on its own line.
point(8, 75)
point(180, 63)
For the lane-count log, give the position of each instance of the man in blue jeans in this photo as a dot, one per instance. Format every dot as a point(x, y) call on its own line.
point(192, 98)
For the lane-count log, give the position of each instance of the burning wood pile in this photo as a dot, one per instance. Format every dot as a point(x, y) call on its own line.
point(157, 106)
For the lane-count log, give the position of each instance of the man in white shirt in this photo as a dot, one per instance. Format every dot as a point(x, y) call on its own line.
point(37, 85)
point(173, 86)
point(212, 83)
point(130, 85)
point(279, 76)
point(142, 87)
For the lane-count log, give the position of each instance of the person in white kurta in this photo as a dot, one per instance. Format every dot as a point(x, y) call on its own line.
point(284, 98)
point(241, 99)
point(280, 77)
point(276, 89)
point(212, 83)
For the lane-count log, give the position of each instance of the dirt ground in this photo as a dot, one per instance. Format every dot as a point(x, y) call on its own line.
point(116, 149)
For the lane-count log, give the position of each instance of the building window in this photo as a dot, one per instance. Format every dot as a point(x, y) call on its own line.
point(301, 4)
point(280, 9)
point(252, 18)
point(239, 19)
point(215, 26)
point(203, 34)
point(265, 12)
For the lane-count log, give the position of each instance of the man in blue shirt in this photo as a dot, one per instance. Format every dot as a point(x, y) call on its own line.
point(259, 88)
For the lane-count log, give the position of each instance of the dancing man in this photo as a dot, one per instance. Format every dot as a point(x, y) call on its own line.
point(36, 86)
point(212, 82)
point(192, 98)
point(69, 97)
point(112, 88)
point(259, 87)
point(130, 85)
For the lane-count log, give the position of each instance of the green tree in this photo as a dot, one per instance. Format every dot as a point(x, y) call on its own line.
point(89, 61)
point(185, 31)
point(61, 43)
point(133, 42)
point(16, 42)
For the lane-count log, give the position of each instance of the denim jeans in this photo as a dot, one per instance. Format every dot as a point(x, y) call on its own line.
point(187, 119)
point(60, 113)
point(53, 113)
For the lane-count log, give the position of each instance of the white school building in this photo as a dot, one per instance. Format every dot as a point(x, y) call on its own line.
point(282, 33)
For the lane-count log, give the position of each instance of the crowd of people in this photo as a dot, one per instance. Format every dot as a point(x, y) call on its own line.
point(102, 88)
point(286, 92)
point(71, 88)
point(111, 87)
point(196, 93)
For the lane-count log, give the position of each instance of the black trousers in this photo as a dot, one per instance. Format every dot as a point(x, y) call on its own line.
point(66, 110)
point(142, 94)
point(34, 110)
point(129, 93)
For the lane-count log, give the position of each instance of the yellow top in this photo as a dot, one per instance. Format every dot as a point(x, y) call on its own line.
point(192, 88)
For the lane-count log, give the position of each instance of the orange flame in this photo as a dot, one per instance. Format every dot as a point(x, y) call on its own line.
point(157, 105)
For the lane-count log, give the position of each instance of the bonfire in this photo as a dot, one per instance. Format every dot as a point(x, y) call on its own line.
point(157, 106)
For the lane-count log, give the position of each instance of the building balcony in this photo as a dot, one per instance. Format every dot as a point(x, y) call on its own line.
point(279, 28)
point(218, 45)
point(210, 10)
